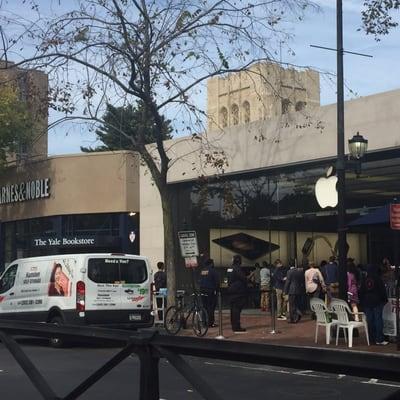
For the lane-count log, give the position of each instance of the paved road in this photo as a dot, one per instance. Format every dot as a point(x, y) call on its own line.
point(66, 368)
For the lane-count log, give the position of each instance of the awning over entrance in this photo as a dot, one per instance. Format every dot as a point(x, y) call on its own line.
point(379, 216)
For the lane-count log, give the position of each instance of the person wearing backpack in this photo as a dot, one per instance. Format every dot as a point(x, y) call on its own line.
point(373, 297)
point(160, 281)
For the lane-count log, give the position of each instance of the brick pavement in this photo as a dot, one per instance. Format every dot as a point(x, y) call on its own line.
point(259, 326)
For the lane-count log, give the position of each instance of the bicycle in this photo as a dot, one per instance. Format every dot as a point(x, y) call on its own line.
point(177, 316)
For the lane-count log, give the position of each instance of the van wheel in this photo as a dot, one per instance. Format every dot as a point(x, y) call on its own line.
point(56, 342)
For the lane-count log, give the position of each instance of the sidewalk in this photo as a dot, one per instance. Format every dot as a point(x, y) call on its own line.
point(259, 326)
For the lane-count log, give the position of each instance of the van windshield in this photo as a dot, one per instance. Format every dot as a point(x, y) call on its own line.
point(117, 270)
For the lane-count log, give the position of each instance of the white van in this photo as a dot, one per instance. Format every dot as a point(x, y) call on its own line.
point(96, 289)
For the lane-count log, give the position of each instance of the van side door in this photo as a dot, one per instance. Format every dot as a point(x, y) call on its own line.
point(8, 289)
point(135, 284)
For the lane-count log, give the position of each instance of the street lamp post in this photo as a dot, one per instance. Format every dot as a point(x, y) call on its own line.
point(341, 161)
point(357, 146)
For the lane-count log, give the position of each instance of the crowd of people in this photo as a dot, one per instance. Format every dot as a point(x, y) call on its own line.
point(286, 290)
point(292, 286)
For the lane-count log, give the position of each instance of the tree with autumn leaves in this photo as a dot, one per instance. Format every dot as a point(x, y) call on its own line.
point(15, 123)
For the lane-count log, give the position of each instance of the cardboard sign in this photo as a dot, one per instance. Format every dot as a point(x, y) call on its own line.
point(395, 216)
point(191, 262)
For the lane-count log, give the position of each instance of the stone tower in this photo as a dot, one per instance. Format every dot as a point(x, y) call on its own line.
point(32, 86)
point(264, 91)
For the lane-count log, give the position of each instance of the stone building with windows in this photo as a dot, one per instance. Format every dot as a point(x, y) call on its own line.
point(264, 91)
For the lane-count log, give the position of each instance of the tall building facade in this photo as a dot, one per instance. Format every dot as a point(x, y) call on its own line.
point(264, 91)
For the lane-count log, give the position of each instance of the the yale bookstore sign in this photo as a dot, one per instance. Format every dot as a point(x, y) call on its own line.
point(23, 191)
point(64, 241)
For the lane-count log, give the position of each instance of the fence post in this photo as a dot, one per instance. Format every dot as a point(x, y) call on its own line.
point(160, 298)
point(149, 376)
point(220, 332)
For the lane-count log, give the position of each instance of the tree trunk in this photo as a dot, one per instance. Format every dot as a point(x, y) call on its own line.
point(169, 243)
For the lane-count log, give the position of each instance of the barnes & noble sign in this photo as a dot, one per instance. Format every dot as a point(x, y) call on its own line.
point(23, 191)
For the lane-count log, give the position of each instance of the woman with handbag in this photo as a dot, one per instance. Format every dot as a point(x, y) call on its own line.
point(314, 281)
point(352, 287)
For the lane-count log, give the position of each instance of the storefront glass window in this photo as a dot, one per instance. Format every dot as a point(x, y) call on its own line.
point(87, 224)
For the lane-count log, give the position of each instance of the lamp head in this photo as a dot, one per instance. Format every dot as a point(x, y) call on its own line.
point(358, 146)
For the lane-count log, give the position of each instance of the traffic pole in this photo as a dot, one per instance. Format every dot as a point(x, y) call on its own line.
point(273, 314)
point(220, 332)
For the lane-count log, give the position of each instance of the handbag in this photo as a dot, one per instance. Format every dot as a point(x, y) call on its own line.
point(316, 280)
point(328, 316)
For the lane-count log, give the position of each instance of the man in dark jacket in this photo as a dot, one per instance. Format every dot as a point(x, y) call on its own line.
point(237, 289)
point(295, 288)
point(209, 285)
point(373, 297)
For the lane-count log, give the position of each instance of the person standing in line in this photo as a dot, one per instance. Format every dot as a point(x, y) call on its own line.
point(279, 279)
point(255, 279)
point(315, 285)
point(209, 285)
point(237, 290)
point(160, 282)
point(352, 287)
point(373, 298)
point(314, 281)
point(265, 286)
point(331, 279)
point(388, 276)
point(295, 288)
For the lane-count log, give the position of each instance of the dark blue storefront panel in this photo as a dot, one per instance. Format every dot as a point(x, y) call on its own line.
point(129, 233)
point(64, 235)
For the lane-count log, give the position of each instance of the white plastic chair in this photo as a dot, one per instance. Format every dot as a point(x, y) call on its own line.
point(342, 311)
point(322, 314)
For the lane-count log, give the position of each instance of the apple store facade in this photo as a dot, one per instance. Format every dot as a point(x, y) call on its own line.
point(251, 213)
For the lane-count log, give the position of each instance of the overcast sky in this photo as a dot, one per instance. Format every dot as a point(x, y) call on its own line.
point(363, 76)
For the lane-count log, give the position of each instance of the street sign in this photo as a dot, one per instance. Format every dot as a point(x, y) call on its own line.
point(395, 216)
point(188, 244)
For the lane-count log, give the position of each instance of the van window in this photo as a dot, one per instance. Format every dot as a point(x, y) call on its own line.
point(112, 270)
point(8, 279)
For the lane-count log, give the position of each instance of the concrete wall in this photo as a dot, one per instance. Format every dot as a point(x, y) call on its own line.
point(289, 139)
point(79, 184)
point(151, 224)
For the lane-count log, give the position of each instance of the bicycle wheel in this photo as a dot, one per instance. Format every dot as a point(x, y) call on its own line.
point(200, 321)
point(173, 320)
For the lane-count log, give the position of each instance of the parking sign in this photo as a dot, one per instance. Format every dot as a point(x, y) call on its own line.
point(188, 244)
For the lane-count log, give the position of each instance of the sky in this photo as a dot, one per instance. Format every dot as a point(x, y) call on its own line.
point(363, 75)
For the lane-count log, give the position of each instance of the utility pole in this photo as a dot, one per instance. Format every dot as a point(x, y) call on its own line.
point(341, 157)
point(341, 161)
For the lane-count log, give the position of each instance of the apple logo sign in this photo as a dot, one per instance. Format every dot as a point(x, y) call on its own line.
point(325, 190)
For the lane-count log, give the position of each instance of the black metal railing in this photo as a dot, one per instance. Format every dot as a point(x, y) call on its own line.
point(150, 346)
